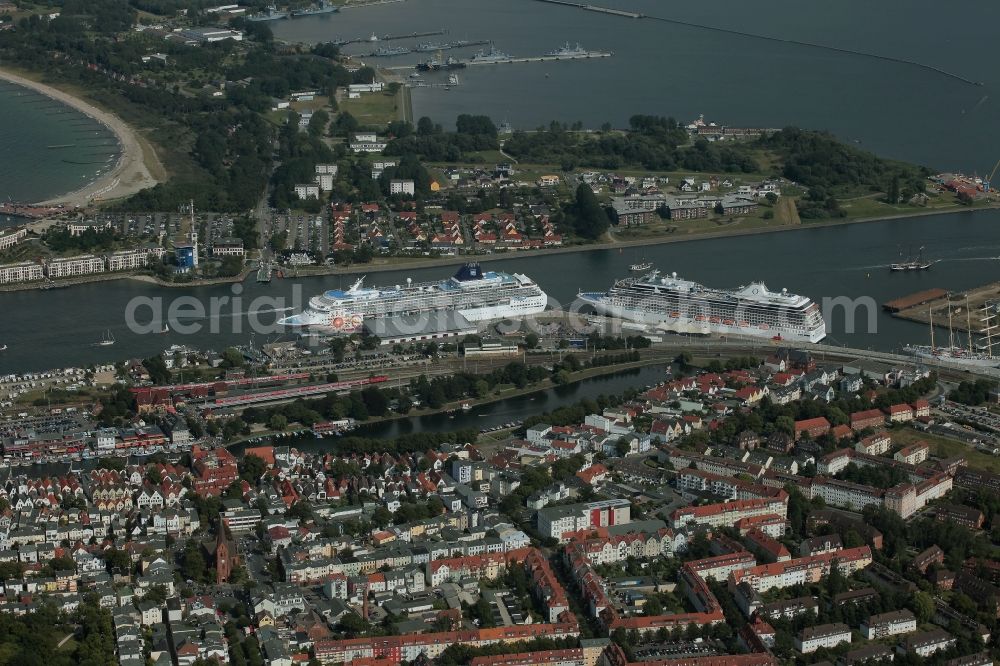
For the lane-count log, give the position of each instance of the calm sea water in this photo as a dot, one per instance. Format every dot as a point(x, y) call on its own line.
point(48, 148)
point(58, 328)
point(665, 69)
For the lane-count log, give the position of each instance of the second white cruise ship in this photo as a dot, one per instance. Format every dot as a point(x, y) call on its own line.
point(472, 293)
point(669, 303)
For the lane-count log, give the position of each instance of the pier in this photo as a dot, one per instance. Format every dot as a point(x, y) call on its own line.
point(442, 47)
point(503, 61)
point(543, 58)
point(913, 300)
point(964, 307)
point(389, 38)
point(371, 3)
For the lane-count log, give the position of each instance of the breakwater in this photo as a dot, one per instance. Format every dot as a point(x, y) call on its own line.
point(740, 33)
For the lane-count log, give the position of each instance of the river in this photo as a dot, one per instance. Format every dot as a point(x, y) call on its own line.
point(497, 413)
point(46, 329)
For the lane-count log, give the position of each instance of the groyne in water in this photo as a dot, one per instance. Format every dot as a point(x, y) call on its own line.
point(740, 33)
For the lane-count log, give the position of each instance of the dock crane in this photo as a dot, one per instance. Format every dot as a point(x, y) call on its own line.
point(989, 181)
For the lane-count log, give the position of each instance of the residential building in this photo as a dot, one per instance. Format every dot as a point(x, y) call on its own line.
point(685, 209)
point(811, 639)
point(965, 516)
point(11, 237)
point(914, 454)
point(555, 522)
point(24, 271)
point(367, 142)
point(127, 260)
point(727, 514)
point(398, 186)
point(814, 427)
point(228, 247)
point(307, 191)
point(874, 445)
point(889, 624)
point(209, 35)
point(926, 643)
point(84, 264)
point(802, 570)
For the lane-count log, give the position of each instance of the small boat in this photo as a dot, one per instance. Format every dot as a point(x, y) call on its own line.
point(107, 340)
point(643, 266)
point(3, 347)
point(166, 328)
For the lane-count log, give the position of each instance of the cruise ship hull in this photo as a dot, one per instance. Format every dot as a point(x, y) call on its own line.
point(474, 297)
point(667, 323)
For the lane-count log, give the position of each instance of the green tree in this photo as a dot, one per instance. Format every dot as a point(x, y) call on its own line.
point(232, 358)
point(252, 467)
point(586, 215)
point(922, 605)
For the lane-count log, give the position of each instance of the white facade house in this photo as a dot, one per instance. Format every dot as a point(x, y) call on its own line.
point(12, 237)
point(889, 624)
point(367, 142)
point(374, 86)
point(397, 186)
point(307, 191)
point(556, 521)
point(84, 264)
point(228, 247)
point(324, 181)
point(811, 639)
point(24, 271)
point(128, 260)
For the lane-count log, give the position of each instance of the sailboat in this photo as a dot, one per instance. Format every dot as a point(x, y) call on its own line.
point(912, 264)
point(107, 340)
point(953, 353)
point(166, 328)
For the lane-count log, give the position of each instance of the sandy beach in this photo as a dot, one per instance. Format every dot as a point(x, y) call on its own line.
point(130, 174)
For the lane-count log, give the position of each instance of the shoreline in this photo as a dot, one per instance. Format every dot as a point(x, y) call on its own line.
point(130, 174)
point(438, 262)
point(543, 385)
point(638, 242)
point(123, 275)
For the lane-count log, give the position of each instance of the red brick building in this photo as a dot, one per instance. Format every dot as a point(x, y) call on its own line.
point(214, 470)
point(871, 418)
point(815, 427)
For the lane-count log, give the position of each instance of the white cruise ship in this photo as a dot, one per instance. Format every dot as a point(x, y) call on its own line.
point(669, 303)
point(476, 295)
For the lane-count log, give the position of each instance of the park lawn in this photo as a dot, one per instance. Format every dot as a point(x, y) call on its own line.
point(682, 228)
point(944, 447)
point(374, 108)
point(874, 206)
point(69, 646)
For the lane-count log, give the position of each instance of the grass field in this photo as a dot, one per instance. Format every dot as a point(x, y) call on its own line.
point(874, 206)
point(374, 108)
point(943, 447)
